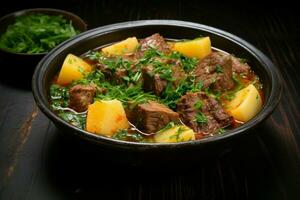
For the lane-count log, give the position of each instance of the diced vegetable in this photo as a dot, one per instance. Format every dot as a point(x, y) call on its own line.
point(246, 104)
point(72, 69)
point(177, 133)
point(126, 46)
point(197, 48)
point(106, 117)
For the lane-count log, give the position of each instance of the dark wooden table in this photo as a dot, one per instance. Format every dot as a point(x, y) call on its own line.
point(36, 162)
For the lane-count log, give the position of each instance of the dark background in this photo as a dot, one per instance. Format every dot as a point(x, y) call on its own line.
point(36, 162)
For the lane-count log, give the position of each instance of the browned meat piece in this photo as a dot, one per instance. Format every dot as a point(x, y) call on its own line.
point(152, 116)
point(119, 75)
point(214, 117)
point(80, 96)
point(105, 70)
point(224, 79)
point(111, 75)
point(238, 66)
point(153, 82)
point(215, 70)
point(155, 41)
point(133, 57)
point(178, 74)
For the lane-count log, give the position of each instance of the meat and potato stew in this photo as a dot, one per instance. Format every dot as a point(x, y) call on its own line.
point(156, 90)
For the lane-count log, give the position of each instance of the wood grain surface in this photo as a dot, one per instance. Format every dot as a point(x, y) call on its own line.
point(38, 162)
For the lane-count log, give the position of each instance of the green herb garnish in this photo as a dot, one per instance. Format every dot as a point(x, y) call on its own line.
point(59, 96)
point(178, 133)
point(201, 118)
point(78, 120)
point(219, 69)
point(221, 131)
point(36, 33)
point(198, 105)
point(124, 135)
point(188, 64)
point(167, 127)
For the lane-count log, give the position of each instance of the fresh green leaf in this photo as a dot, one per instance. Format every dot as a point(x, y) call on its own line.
point(198, 105)
point(201, 118)
point(219, 69)
point(36, 33)
point(124, 135)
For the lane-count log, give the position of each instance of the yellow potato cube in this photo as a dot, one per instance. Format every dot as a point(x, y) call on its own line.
point(72, 69)
point(197, 48)
point(246, 104)
point(126, 46)
point(106, 117)
point(178, 133)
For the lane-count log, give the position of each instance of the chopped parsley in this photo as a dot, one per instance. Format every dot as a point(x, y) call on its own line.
point(167, 127)
point(36, 33)
point(178, 133)
point(164, 70)
point(221, 131)
point(188, 64)
point(219, 69)
point(197, 87)
point(78, 120)
point(198, 105)
point(59, 96)
point(214, 94)
point(133, 95)
point(124, 135)
point(201, 118)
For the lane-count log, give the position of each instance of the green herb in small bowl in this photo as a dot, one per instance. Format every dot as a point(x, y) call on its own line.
point(26, 36)
point(37, 33)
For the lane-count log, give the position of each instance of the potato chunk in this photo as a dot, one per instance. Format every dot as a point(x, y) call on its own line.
point(246, 104)
point(178, 133)
point(106, 117)
point(198, 48)
point(126, 46)
point(72, 69)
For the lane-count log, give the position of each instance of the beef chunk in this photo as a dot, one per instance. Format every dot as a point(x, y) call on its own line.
point(155, 41)
point(215, 70)
point(81, 96)
point(238, 66)
point(192, 105)
point(153, 82)
point(224, 79)
point(113, 75)
point(119, 75)
point(108, 73)
point(133, 57)
point(152, 116)
point(178, 74)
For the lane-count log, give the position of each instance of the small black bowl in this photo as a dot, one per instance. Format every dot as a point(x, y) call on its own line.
point(24, 62)
point(147, 154)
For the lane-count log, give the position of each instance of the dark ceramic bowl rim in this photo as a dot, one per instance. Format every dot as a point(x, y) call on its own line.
point(25, 11)
point(267, 109)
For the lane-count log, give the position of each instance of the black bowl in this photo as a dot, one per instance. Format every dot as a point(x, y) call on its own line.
point(145, 153)
point(25, 62)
